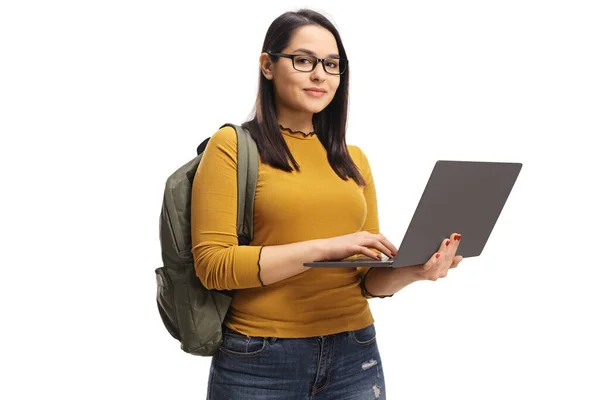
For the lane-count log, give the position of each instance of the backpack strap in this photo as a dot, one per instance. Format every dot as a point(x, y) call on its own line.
point(247, 174)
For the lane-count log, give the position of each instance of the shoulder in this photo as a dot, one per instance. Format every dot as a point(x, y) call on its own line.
point(224, 135)
point(355, 151)
point(362, 162)
point(223, 140)
point(358, 156)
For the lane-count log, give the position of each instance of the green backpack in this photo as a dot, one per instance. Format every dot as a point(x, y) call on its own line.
point(191, 313)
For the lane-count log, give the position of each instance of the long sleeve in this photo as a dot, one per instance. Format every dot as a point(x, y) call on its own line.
point(289, 207)
point(219, 261)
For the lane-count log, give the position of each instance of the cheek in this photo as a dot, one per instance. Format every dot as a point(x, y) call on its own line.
point(335, 86)
point(290, 87)
point(334, 89)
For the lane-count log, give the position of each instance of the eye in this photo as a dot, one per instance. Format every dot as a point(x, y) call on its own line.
point(304, 60)
point(332, 63)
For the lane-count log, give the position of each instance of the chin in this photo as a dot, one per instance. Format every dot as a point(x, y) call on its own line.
point(314, 110)
point(316, 107)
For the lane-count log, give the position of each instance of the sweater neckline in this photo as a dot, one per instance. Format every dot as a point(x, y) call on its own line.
point(297, 134)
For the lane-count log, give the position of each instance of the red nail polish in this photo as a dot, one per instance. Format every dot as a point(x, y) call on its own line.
point(459, 237)
point(437, 255)
point(379, 256)
point(447, 243)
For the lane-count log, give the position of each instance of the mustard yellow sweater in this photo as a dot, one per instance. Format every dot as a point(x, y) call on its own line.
point(311, 204)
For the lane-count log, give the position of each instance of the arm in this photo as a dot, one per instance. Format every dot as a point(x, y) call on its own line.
point(390, 280)
point(281, 262)
point(379, 282)
point(384, 282)
point(219, 261)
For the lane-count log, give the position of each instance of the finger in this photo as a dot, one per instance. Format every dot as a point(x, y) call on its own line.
point(450, 244)
point(455, 240)
point(445, 250)
point(444, 245)
point(380, 242)
point(432, 262)
point(375, 243)
point(368, 252)
point(387, 243)
point(457, 260)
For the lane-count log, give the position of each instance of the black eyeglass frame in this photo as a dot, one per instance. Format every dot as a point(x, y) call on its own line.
point(319, 60)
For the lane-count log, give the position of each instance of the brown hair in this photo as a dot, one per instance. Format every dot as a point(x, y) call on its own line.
point(329, 124)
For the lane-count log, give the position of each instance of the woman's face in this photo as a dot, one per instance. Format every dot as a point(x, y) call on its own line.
point(292, 87)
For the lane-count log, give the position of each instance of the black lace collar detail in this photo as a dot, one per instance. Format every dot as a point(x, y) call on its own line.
point(290, 131)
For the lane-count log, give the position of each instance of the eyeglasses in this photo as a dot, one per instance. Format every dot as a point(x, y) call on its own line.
point(306, 63)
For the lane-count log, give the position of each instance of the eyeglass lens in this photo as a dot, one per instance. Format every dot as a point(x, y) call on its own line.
point(306, 63)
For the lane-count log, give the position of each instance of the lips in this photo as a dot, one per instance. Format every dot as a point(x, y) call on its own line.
point(315, 92)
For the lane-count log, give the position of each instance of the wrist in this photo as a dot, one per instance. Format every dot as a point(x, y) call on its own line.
point(413, 273)
point(319, 250)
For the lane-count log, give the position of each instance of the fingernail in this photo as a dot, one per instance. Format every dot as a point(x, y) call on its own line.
point(447, 243)
point(379, 256)
point(437, 255)
point(457, 237)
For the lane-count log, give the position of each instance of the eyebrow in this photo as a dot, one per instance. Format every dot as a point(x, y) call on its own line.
point(312, 53)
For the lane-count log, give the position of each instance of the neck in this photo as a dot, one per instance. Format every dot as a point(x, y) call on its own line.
point(295, 121)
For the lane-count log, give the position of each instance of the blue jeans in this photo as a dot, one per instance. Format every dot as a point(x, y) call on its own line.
point(344, 366)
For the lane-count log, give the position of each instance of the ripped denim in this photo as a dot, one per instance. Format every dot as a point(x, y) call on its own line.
point(344, 366)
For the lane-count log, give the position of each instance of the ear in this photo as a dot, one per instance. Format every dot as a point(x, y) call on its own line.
point(266, 66)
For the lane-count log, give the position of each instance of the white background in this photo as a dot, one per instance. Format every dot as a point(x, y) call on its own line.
point(101, 101)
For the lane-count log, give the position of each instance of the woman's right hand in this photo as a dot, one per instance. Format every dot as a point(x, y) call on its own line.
point(340, 247)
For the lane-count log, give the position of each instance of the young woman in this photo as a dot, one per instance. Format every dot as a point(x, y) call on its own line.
point(294, 332)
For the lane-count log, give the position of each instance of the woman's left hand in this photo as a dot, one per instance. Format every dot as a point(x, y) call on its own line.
point(439, 264)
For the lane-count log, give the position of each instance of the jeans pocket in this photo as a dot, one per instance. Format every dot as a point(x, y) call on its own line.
point(236, 344)
point(364, 336)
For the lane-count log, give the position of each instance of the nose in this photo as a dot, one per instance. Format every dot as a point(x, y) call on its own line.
point(318, 74)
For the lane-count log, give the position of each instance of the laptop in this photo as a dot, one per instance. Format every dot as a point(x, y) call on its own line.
point(465, 197)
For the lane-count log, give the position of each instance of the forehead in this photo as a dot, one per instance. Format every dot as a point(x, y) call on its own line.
point(315, 38)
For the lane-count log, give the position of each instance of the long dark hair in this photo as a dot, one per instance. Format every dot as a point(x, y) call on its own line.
point(329, 124)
